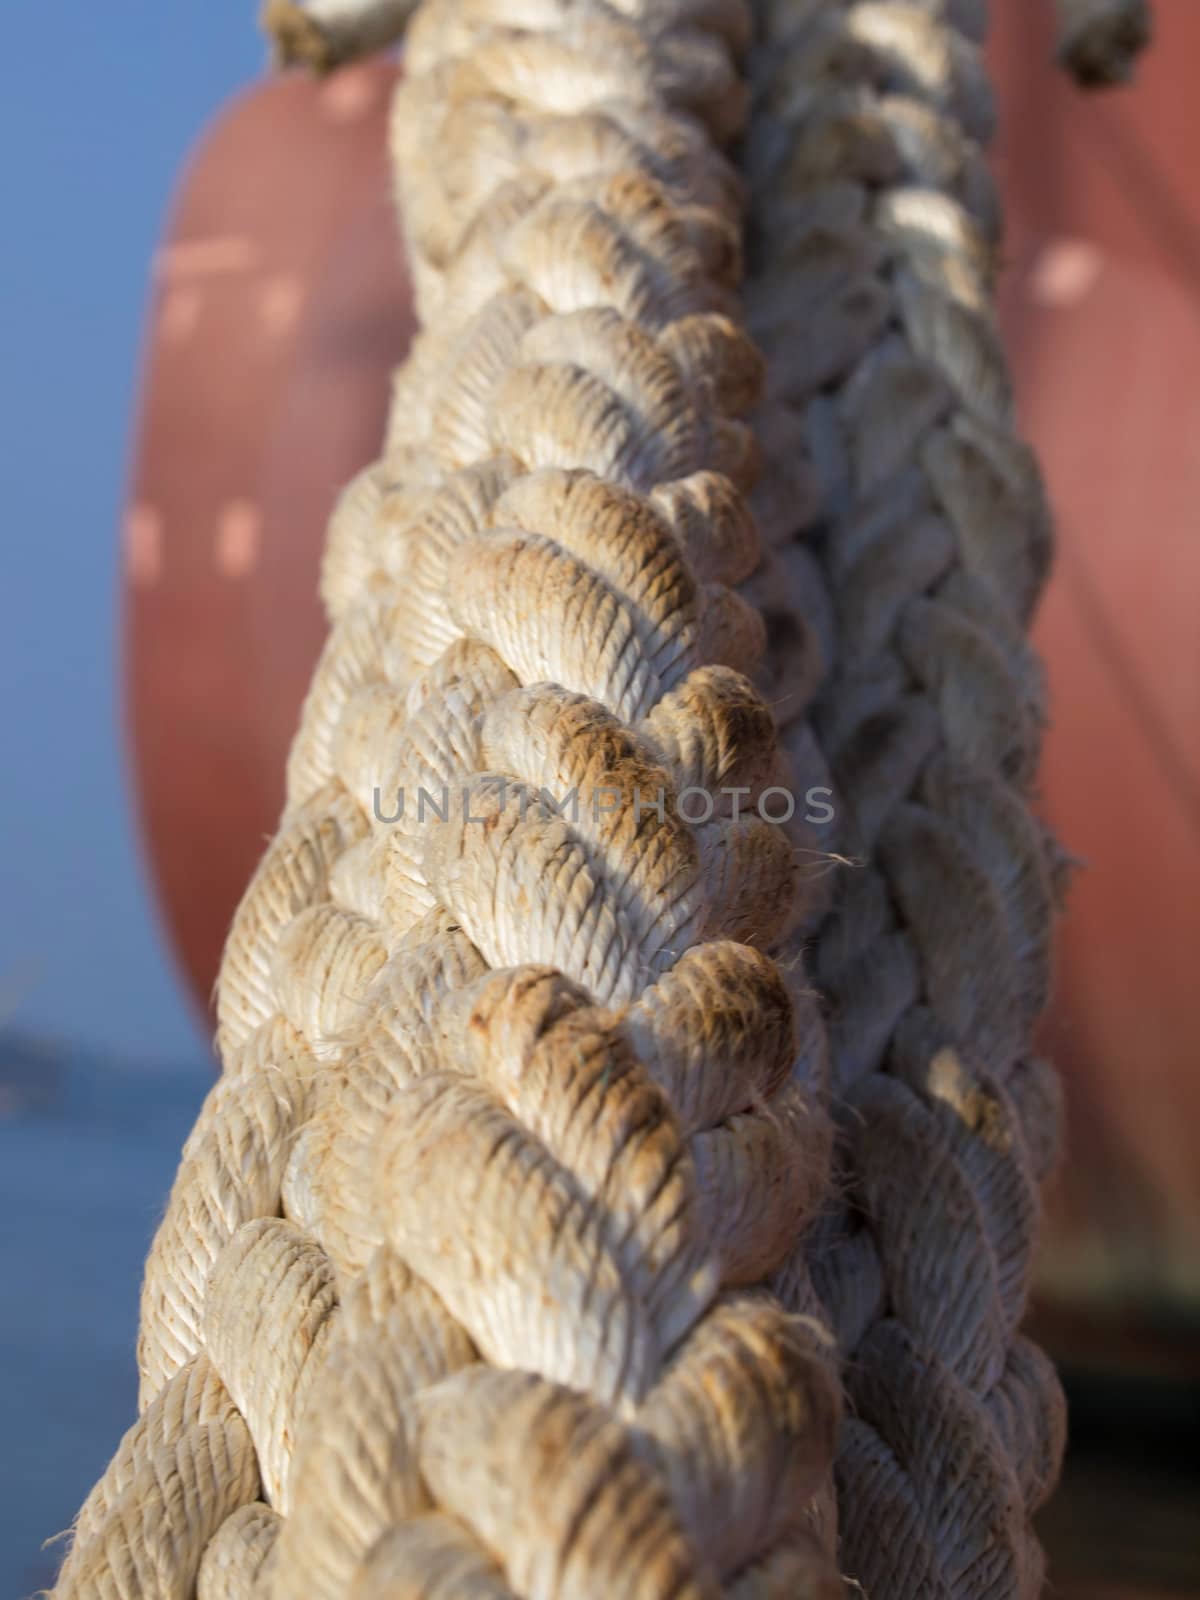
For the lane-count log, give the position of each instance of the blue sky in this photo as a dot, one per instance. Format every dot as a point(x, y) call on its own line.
point(99, 108)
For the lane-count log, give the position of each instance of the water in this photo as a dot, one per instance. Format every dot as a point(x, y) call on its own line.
point(88, 1149)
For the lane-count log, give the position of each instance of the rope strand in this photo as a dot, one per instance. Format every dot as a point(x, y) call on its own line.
point(875, 222)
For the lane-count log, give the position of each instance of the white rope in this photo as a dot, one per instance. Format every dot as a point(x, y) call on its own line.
point(517, 1108)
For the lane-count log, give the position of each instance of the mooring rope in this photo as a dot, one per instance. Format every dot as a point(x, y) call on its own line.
point(459, 1270)
point(876, 234)
point(502, 1260)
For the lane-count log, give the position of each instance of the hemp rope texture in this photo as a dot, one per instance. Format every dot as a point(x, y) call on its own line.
point(876, 234)
point(459, 1289)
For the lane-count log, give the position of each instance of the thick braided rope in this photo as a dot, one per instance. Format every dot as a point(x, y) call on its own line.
point(875, 232)
point(455, 1292)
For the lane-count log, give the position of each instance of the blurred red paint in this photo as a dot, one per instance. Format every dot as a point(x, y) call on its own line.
point(280, 307)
